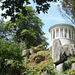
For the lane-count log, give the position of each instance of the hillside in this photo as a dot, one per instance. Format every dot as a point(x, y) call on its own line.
point(40, 62)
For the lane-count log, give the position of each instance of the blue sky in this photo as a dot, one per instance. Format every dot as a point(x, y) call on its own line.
point(52, 17)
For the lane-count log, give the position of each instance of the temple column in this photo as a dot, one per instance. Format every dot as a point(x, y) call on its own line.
point(67, 33)
point(52, 34)
point(55, 33)
point(59, 32)
point(64, 32)
point(71, 33)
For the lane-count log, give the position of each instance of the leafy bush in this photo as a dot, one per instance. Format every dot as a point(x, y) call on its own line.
point(45, 53)
point(33, 68)
point(31, 57)
point(10, 58)
point(41, 47)
point(68, 72)
point(67, 63)
point(49, 70)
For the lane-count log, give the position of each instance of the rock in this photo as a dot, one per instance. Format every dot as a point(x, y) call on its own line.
point(73, 60)
point(66, 50)
point(57, 52)
point(50, 48)
point(73, 66)
point(38, 58)
point(71, 49)
point(26, 53)
point(60, 68)
point(31, 51)
point(45, 72)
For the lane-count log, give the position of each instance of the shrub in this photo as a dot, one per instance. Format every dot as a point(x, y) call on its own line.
point(31, 57)
point(39, 68)
point(10, 58)
point(67, 63)
point(68, 72)
point(41, 47)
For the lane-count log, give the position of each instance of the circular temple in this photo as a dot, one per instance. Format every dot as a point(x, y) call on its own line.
point(64, 32)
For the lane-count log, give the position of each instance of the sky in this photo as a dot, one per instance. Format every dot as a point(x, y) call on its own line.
point(51, 18)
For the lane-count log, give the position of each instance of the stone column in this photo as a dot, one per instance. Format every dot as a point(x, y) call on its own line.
point(64, 32)
point(55, 33)
point(71, 33)
point(67, 33)
point(52, 34)
point(59, 32)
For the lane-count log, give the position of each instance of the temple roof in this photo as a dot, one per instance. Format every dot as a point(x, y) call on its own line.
point(56, 25)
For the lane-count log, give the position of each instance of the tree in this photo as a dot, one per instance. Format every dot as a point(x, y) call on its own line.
point(27, 28)
point(69, 7)
point(4, 33)
point(13, 6)
point(1, 28)
point(1, 24)
point(10, 58)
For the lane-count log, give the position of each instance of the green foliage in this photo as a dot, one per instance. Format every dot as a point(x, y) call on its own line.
point(2, 31)
point(13, 6)
point(69, 7)
point(40, 47)
point(27, 28)
point(46, 54)
point(50, 69)
point(10, 58)
point(22, 45)
point(31, 71)
point(40, 71)
point(67, 63)
point(68, 72)
point(46, 65)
